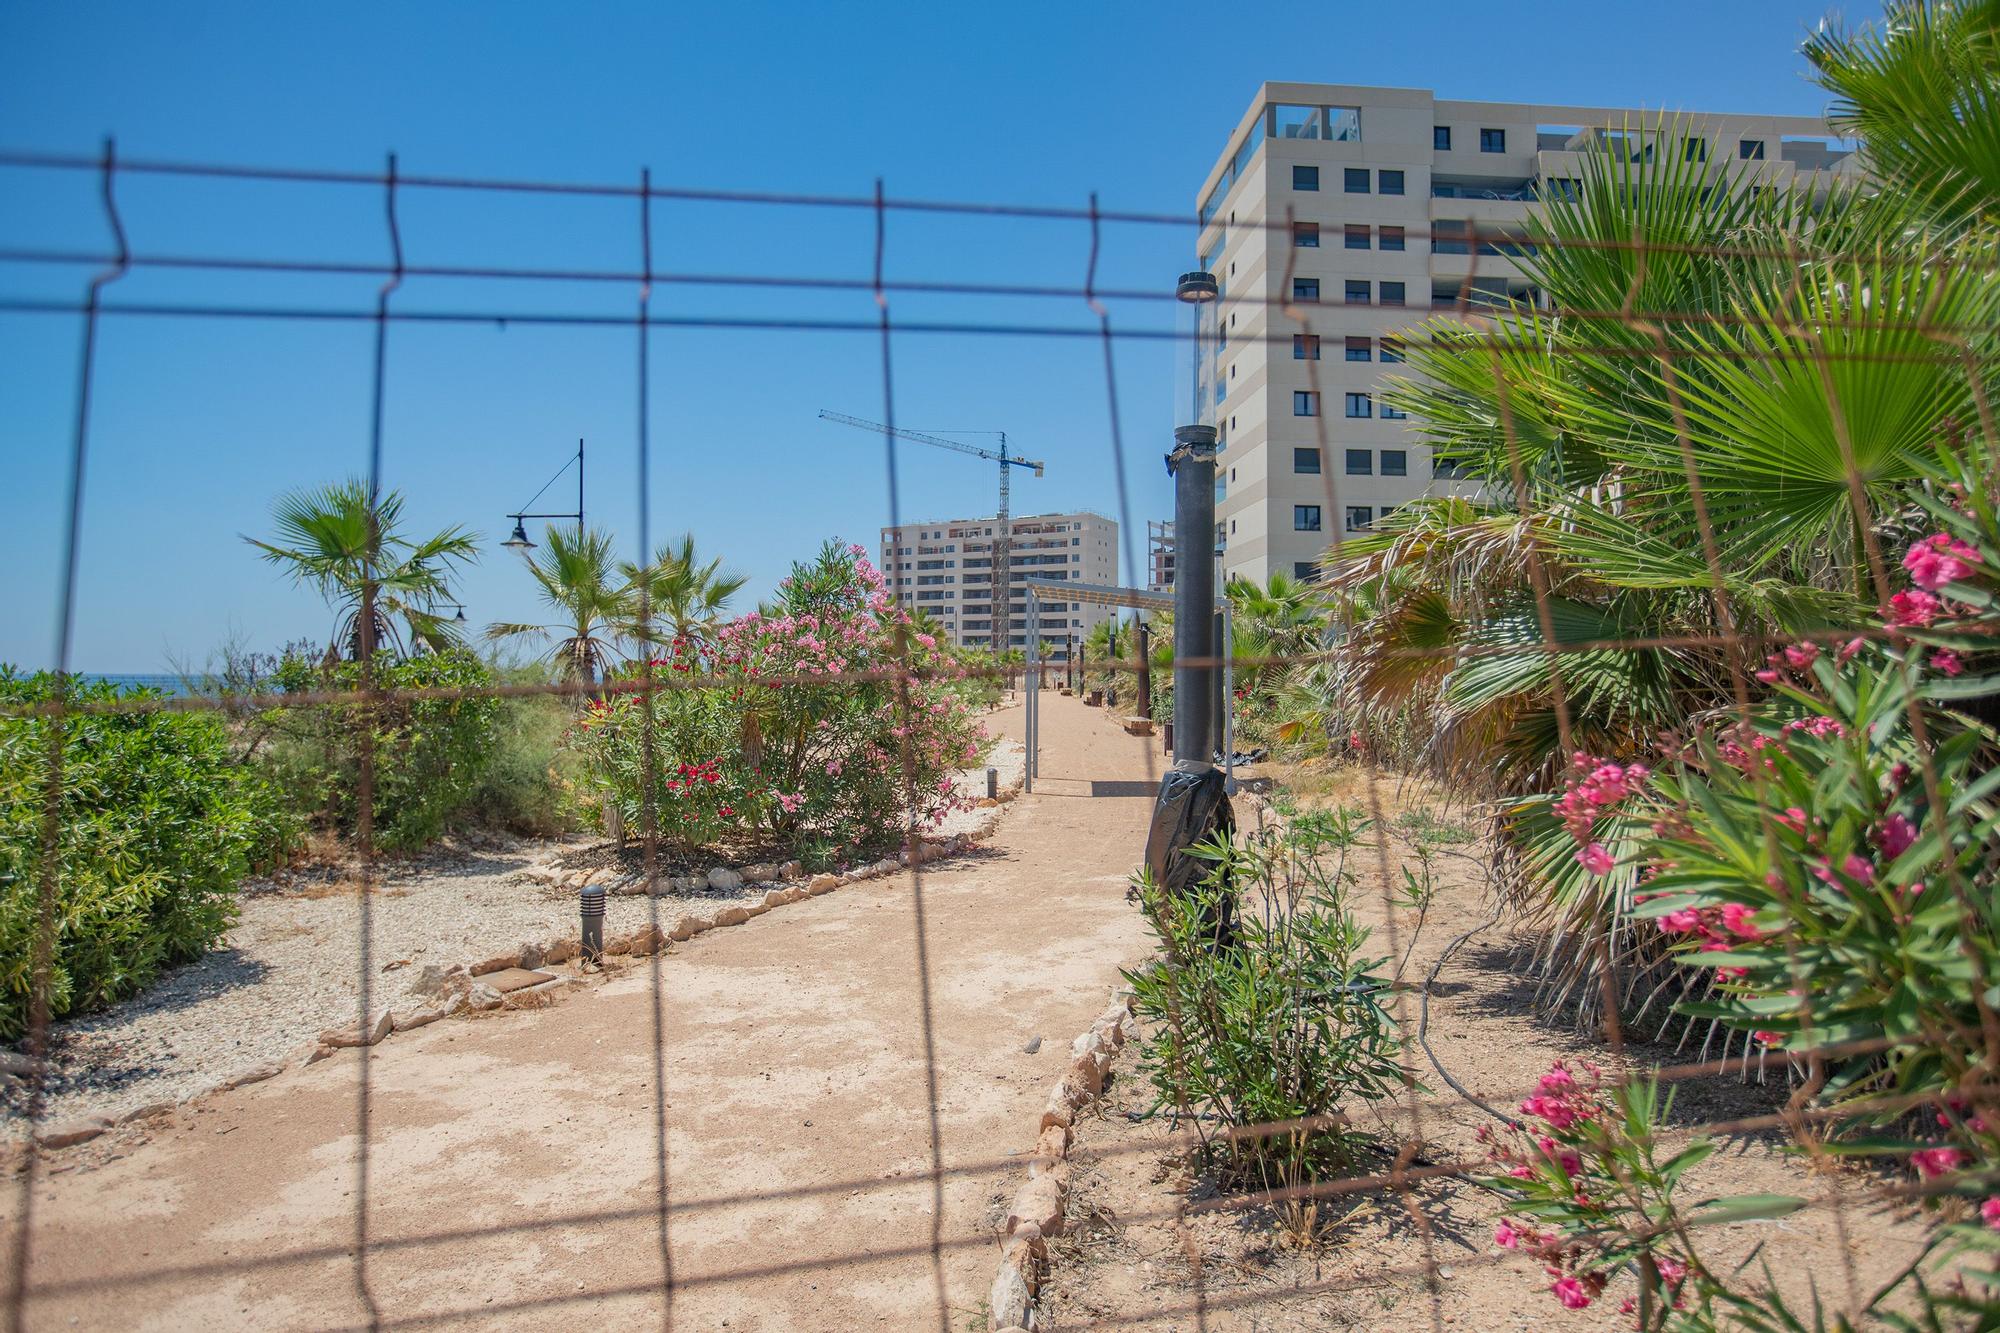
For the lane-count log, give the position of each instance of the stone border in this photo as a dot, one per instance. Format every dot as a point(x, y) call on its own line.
point(1038, 1208)
point(456, 990)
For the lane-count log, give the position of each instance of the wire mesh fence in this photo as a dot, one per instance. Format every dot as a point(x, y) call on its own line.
point(1868, 353)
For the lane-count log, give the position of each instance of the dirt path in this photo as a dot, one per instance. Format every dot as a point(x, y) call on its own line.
point(514, 1167)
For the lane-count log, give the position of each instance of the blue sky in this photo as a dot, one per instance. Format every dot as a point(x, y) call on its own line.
point(199, 424)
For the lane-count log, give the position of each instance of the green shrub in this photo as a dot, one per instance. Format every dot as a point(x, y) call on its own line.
point(531, 784)
point(157, 827)
point(1286, 1025)
point(430, 753)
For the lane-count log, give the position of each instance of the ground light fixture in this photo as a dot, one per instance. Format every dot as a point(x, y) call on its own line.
point(519, 539)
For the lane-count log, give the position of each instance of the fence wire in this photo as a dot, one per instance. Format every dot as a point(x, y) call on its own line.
point(1473, 327)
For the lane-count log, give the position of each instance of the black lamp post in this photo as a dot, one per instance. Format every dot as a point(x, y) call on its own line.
point(519, 540)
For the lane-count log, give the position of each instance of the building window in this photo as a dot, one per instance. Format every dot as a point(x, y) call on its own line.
point(1449, 467)
point(1392, 293)
point(1305, 347)
point(1305, 518)
point(1750, 150)
point(1305, 403)
point(1395, 462)
point(1441, 138)
point(1394, 413)
point(1305, 178)
point(1392, 350)
point(1357, 236)
point(1448, 237)
point(1360, 463)
point(1359, 405)
point(1304, 570)
point(1359, 517)
point(1356, 180)
point(1305, 289)
point(1358, 349)
point(1493, 141)
point(1389, 182)
point(1392, 238)
point(1305, 235)
point(1358, 292)
point(1305, 462)
point(1694, 150)
point(1566, 188)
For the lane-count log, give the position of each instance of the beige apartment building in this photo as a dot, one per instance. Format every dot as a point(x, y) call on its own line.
point(1378, 183)
point(945, 569)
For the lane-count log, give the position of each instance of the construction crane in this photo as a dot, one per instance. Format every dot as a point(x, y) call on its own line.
point(1003, 539)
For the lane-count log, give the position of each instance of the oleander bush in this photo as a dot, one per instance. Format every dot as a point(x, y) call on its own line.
point(1281, 1021)
point(156, 826)
point(826, 720)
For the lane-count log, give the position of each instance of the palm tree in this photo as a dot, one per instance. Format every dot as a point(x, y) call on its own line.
point(352, 550)
point(687, 597)
point(579, 580)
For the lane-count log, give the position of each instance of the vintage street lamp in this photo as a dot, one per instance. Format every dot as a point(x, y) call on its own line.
point(520, 541)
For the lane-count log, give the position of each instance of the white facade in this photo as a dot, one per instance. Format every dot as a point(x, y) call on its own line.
point(1343, 201)
point(945, 569)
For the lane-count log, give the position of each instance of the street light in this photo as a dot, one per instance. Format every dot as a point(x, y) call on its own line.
point(519, 541)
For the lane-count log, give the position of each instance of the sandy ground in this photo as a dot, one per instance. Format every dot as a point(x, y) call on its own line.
point(288, 969)
point(514, 1162)
point(1142, 1253)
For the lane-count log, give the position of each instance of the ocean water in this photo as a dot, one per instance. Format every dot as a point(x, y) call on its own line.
point(165, 684)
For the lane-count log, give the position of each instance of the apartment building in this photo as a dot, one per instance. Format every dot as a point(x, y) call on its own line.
point(945, 569)
point(1348, 201)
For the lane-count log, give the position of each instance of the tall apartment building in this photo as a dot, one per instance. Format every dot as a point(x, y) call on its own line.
point(1378, 181)
point(945, 569)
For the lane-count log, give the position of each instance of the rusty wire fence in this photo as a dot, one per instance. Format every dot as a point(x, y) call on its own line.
point(1089, 327)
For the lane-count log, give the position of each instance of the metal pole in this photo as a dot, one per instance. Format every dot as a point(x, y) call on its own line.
point(1145, 670)
point(1228, 700)
point(1034, 675)
point(1111, 661)
point(580, 527)
point(1192, 464)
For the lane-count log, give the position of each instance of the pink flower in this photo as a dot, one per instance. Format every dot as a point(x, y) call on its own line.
point(1794, 819)
point(1687, 919)
point(1507, 1238)
point(1571, 1293)
point(1800, 656)
point(1913, 608)
point(1595, 859)
point(1736, 917)
point(1947, 661)
point(1933, 1162)
point(1939, 559)
point(1858, 867)
point(1895, 836)
point(1849, 649)
point(1989, 1212)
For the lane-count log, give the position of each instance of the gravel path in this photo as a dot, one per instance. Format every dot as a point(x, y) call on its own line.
point(288, 969)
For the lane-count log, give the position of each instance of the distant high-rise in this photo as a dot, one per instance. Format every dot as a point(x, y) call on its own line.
point(1347, 200)
point(945, 569)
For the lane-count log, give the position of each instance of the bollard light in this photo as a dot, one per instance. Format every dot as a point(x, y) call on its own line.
point(992, 784)
point(591, 905)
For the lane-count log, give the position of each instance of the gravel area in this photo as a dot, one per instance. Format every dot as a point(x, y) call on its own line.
point(288, 969)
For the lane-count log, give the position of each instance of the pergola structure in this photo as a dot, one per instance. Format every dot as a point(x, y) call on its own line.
point(1058, 590)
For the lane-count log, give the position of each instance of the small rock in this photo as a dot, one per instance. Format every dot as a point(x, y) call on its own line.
point(724, 880)
point(317, 1054)
point(731, 916)
point(777, 898)
point(559, 951)
point(481, 996)
point(887, 866)
point(1039, 1204)
point(1034, 1044)
point(533, 956)
point(687, 928)
point(761, 873)
point(986, 803)
point(646, 940)
point(269, 1069)
point(791, 870)
point(430, 981)
point(19, 1063)
point(72, 1132)
point(823, 884)
point(378, 1026)
point(497, 963)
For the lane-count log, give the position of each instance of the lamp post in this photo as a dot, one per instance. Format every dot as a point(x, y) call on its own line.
point(1192, 465)
point(519, 541)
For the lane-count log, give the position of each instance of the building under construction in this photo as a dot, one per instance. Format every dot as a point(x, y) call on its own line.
point(945, 569)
